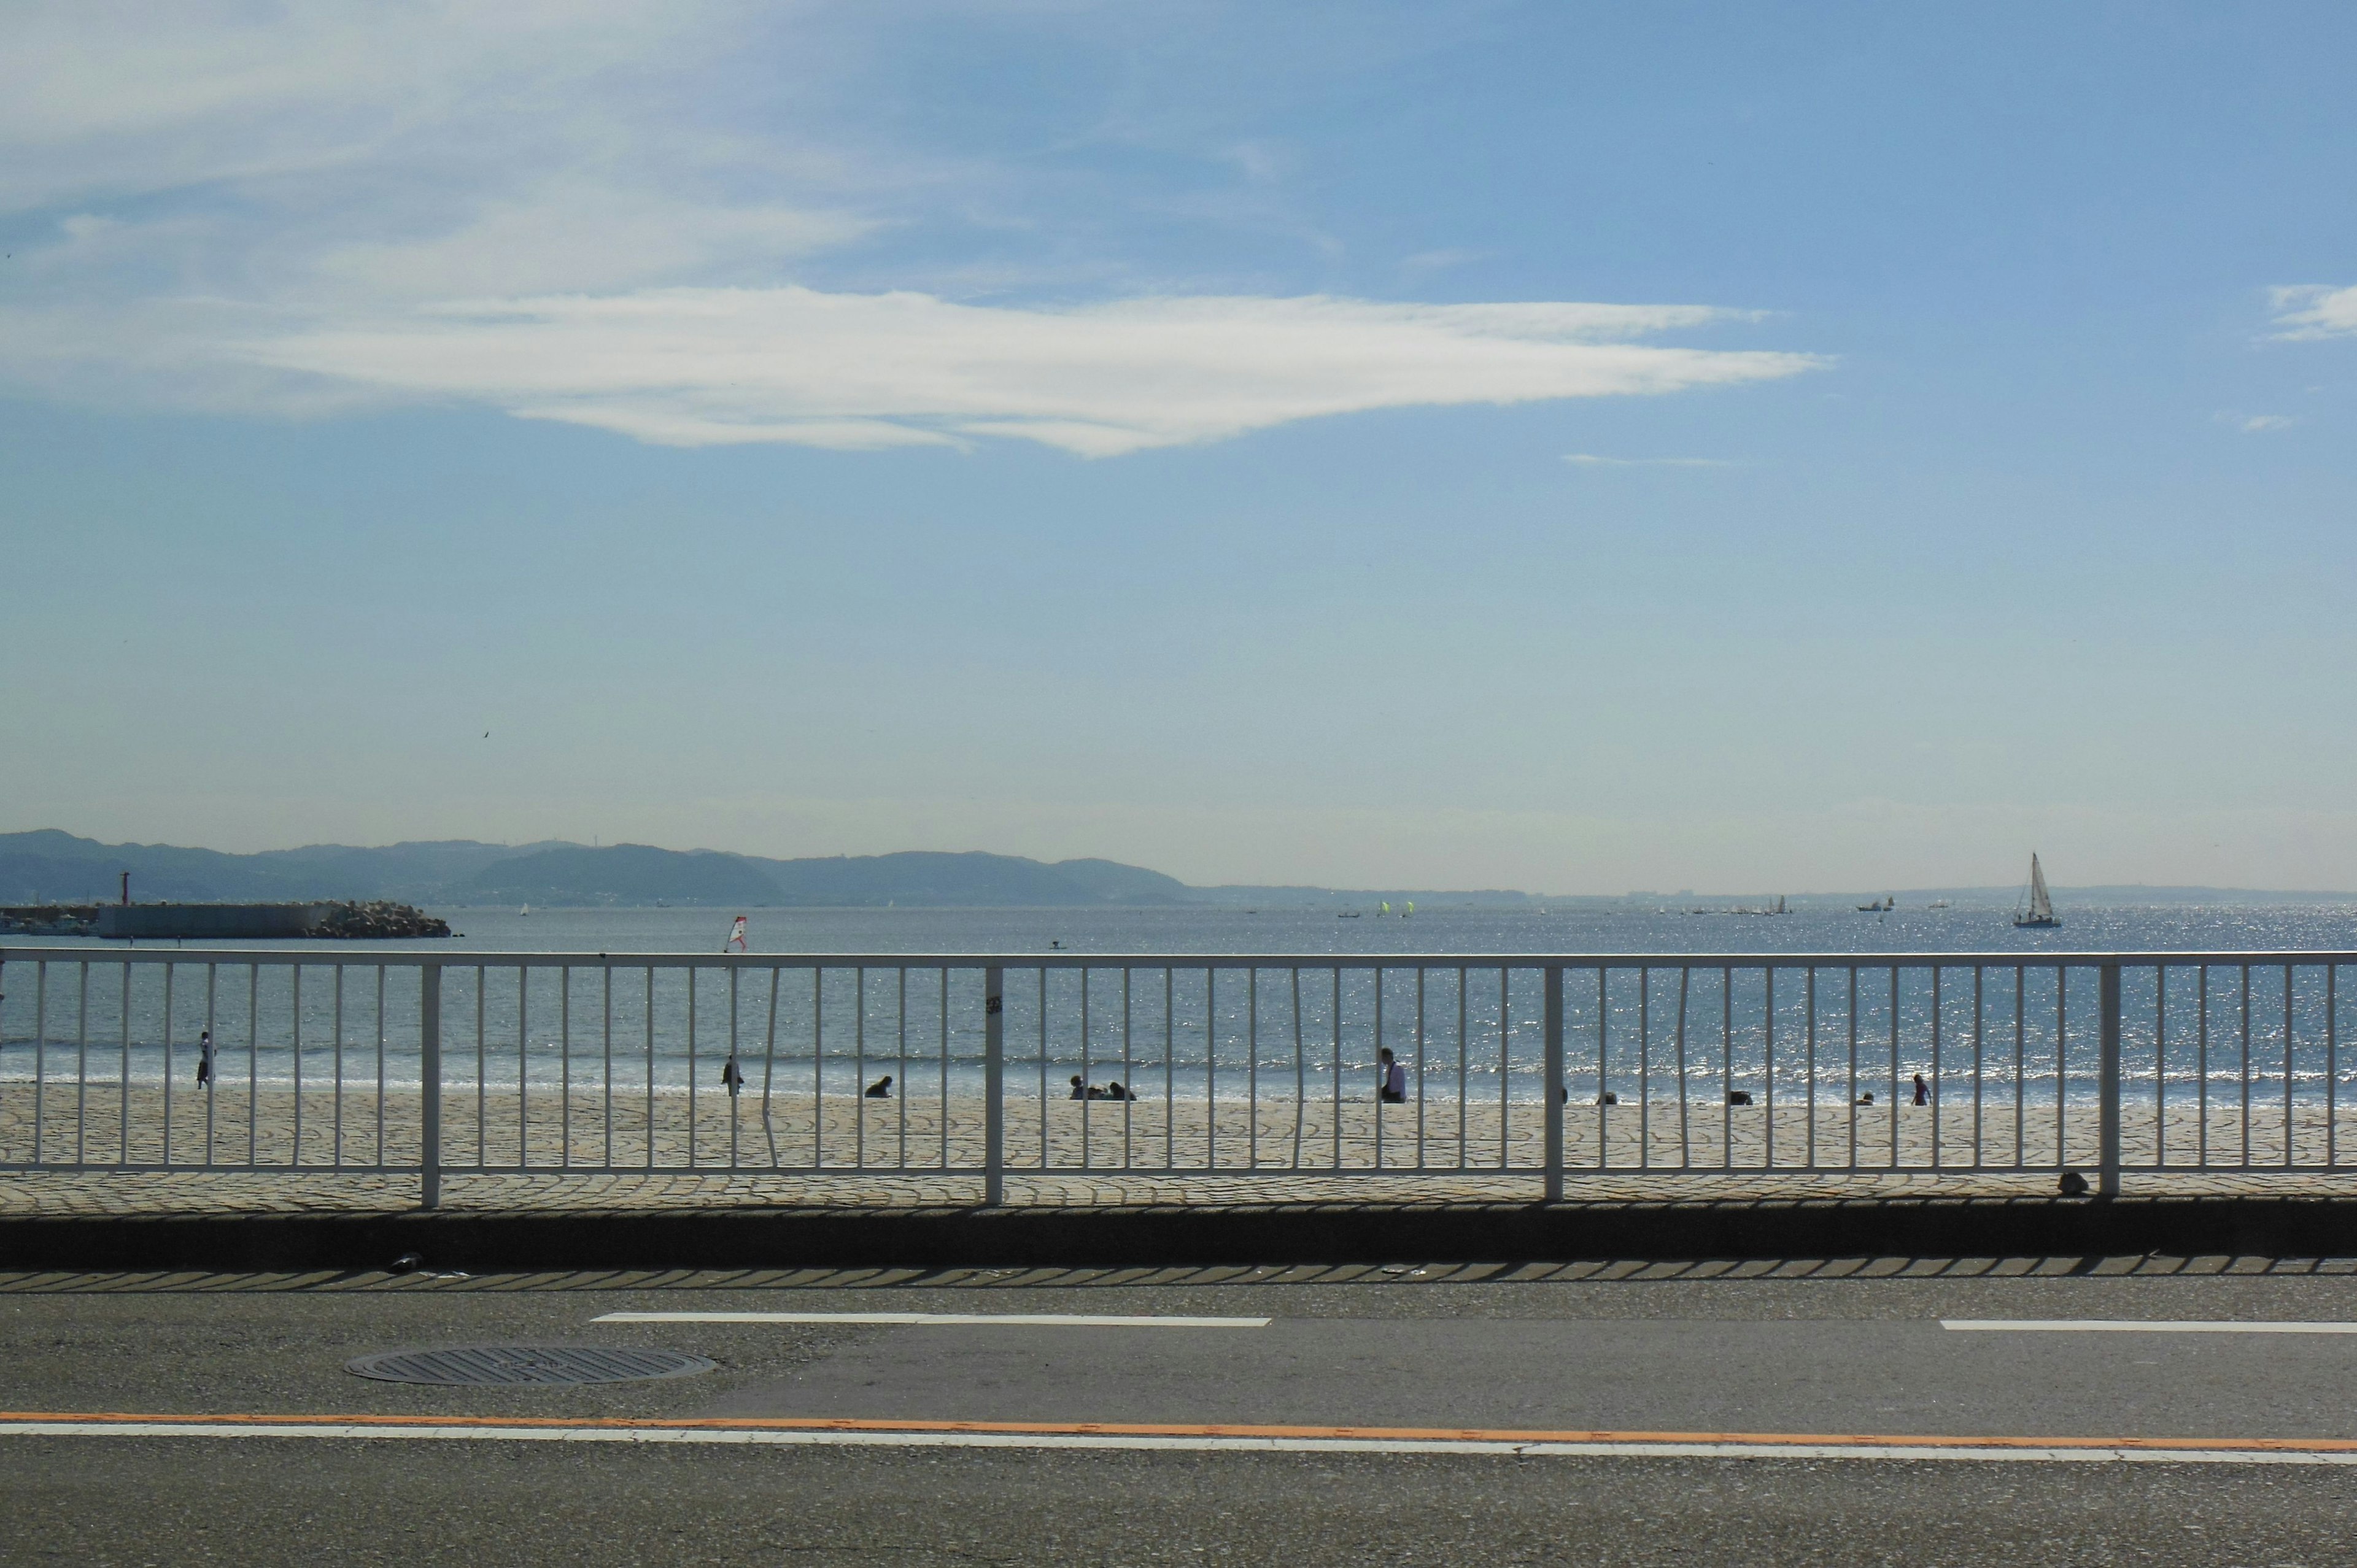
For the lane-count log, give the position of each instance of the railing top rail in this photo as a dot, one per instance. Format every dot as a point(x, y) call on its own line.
point(497, 958)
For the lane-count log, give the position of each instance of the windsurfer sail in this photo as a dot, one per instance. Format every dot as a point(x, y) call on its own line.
point(735, 942)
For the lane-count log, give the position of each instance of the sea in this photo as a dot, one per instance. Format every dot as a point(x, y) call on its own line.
point(1213, 1031)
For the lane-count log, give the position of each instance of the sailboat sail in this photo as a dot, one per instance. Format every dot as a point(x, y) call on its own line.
point(2040, 911)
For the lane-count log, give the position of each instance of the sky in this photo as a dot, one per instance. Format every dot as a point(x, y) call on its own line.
point(1575, 448)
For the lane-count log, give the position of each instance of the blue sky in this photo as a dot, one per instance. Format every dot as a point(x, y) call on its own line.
point(1575, 448)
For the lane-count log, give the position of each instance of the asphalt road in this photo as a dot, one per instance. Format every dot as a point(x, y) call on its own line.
point(1822, 1356)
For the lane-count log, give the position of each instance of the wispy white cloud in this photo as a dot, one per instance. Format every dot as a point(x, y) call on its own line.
point(2255, 423)
point(1593, 461)
point(2316, 310)
point(538, 208)
point(696, 367)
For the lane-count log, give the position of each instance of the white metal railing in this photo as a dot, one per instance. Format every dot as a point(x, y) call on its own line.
point(1530, 1066)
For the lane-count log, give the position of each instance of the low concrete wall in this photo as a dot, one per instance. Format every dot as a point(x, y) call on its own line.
point(210, 923)
point(1172, 1236)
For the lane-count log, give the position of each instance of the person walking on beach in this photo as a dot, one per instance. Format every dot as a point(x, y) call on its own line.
point(1923, 1090)
point(1393, 1091)
point(205, 1059)
point(732, 1077)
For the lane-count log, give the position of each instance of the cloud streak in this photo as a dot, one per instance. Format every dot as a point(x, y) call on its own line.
point(1594, 460)
point(706, 367)
point(598, 213)
point(2316, 310)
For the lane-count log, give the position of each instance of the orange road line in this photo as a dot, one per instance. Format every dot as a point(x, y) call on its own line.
point(1129, 1429)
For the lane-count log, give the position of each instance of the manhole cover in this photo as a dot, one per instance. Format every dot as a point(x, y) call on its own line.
point(547, 1364)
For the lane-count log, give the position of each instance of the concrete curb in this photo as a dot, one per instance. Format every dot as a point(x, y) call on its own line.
point(1176, 1236)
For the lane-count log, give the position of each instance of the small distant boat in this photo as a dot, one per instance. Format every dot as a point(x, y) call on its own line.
point(1882, 905)
point(1938, 904)
point(525, 910)
point(1348, 915)
point(2037, 913)
point(1409, 910)
point(1386, 907)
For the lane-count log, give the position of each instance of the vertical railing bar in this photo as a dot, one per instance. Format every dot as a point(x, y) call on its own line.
point(1938, 973)
point(1170, 1071)
point(1894, 1067)
point(482, 1067)
point(336, 1155)
point(859, 1069)
point(1210, 1067)
point(1464, 1049)
point(1252, 1066)
point(1685, 1149)
point(2331, 1065)
point(1088, 1117)
point(2244, 1057)
point(564, 1064)
point(207, 1045)
point(294, 970)
point(1301, 1069)
point(1603, 1054)
point(1849, 1086)
point(1129, 1074)
point(1335, 1022)
point(1768, 1043)
point(1505, 1032)
point(900, 1067)
point(994, 1084)
point(2160, 1065)
point(253, 1065)
point(2202, 1101)
point(1043, 1068)
point(41, 1063)
point(1419, 1067)
point(338, 1151)
point(942, 996)
point(1553, 1092)
point(429, 1086)
point(523, 1064)
point(732, 1071)
point(818, 1066)
point(123, 1074)
point(2107, 1081)
point(169, 968)
point(1644, 1067)
point(1726, 1065)
point(605, 1052)
point(770, 1071)
point(694, 1121)
point(2288, 970)
point(1380, 1075)
point(1809, 1001)
point(1980, 1155)
point(648, 1020)
point(2020, 1033)
point(2061, 1063)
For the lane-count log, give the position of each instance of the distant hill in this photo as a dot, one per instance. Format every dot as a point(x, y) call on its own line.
point(60, 867)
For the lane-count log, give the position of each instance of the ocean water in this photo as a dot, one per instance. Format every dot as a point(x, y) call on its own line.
point(1187, 1033)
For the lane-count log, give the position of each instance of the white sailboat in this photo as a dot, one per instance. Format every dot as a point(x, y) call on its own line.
point(2039, 911)
point(524, 911)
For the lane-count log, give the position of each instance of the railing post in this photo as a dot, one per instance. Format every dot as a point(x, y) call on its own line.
point(2107, 1157)
point(429, 1086)
point(1556, 1093)
point(994, 1086)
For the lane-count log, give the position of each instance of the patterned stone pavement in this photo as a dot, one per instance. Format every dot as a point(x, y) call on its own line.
point(713, 1152)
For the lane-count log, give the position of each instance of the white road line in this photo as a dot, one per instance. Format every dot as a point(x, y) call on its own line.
point(2134, 1326)
point(936, 1319)
point(1573, 1450)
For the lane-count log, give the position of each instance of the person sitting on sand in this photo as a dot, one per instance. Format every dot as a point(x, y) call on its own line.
point(881, 1088)
point(1080, 1091)
point(1113, 1090)
point(1393, 1089)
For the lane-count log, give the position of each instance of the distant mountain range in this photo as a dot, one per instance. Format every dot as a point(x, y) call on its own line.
point(58, 867)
